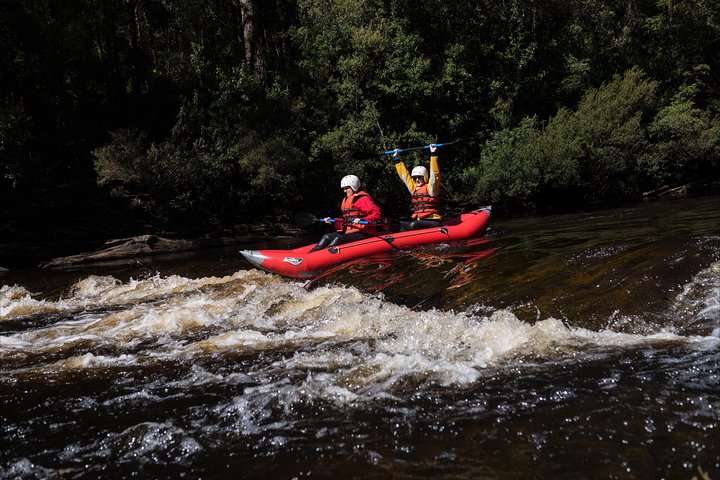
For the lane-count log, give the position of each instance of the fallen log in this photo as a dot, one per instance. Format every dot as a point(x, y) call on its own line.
point(142, 246)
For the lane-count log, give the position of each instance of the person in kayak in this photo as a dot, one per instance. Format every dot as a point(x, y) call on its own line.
point(424, 190)
point(357, 206)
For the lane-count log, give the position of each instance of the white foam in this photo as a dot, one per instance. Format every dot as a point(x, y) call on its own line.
point(13, 342)
point(90, 360)
point(367, 344)
point(699, 301)
point(16, 301)
point(157, 440)
point(24, 468)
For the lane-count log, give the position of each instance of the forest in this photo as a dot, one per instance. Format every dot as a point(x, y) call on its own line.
point(221, 112)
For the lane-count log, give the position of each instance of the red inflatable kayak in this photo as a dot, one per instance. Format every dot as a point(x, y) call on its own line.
point(301, 263)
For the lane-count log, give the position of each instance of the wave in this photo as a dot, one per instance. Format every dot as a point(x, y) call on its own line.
point(697, 306)
point(357, 344)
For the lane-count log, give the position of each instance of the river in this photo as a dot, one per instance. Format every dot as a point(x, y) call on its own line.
point(581, 345)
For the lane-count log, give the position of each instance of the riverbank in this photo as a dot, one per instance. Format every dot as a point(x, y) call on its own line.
point(67, 232)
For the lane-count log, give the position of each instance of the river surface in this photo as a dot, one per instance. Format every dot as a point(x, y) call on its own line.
point(569, 346)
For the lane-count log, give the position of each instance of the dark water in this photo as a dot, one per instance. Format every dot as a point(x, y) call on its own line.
point(569, 346)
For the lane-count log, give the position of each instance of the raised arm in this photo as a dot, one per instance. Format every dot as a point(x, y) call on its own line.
point(434, 181)
point(403, 173)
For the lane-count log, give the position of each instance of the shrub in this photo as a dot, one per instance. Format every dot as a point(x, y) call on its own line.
point(685, 141)
point(612, 135)
point(587, 155)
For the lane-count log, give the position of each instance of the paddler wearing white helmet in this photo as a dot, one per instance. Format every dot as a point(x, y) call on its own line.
point(360, 216)
point(424, 187)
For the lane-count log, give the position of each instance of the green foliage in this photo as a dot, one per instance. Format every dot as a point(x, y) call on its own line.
point(123, 160)
point(217, 160)
point(586, 155)
point(219, 109)
point(610, 127)
point(681, 44)
point(522, 167)
point(685, 141)
point(509, 169)
point(14, 137)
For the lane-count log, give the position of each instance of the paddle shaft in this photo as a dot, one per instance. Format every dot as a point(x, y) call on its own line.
point(334, 220)
point(424, 147)
point(304, 219)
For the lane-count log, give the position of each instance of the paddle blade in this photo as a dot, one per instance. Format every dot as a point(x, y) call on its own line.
point(304, 219)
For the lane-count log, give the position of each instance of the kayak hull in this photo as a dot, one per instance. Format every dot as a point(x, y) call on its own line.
point(301, 263)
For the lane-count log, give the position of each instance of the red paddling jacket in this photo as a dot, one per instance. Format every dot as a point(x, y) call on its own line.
point(360, 205)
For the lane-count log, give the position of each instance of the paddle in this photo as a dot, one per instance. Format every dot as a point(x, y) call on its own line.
point(363, 155)
point(304, 219)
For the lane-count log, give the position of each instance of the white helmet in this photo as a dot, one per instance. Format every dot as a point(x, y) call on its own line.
point(420, 171)
point(350, 181)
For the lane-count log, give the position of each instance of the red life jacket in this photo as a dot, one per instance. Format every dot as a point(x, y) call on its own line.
point(350, 213)
point(423, 205)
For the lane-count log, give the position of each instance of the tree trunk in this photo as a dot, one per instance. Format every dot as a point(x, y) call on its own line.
point(254, 55)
